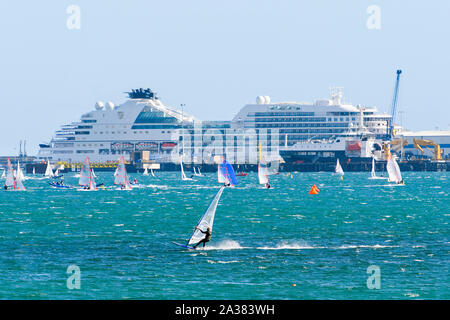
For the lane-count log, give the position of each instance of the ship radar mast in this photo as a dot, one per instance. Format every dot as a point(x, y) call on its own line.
point(142, 94)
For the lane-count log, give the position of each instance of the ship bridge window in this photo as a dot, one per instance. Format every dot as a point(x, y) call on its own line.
point(149, 115)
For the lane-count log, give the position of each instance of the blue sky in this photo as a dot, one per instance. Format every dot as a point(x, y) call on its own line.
point(216, 56)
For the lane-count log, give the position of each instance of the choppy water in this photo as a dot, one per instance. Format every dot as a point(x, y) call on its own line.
point(264, 241)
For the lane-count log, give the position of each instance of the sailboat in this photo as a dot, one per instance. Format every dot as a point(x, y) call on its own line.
point(48, 171)
point(3, 174)
point(145, 172)
point(34, 171)
point(263, 171)
point(373, 175)
point(93, 173)
point(183, 175)
point(87, 177)
point(393, 170)
point(12, 182)
point(19, 172)
point(151, 171)
point(121, 177)
point(205, 222)
point(197, 173)
point(225, 174)
point(339, 169)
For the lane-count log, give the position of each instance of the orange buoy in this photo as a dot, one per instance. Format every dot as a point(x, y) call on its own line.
point(314, 190)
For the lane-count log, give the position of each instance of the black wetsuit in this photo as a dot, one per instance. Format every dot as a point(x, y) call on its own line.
point(206, 239)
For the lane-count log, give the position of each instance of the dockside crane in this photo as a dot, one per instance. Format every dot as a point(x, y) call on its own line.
point(391, 131)
point(418, 143)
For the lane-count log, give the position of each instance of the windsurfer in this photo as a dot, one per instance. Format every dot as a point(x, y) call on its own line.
point(207, 237)
point(268, 186)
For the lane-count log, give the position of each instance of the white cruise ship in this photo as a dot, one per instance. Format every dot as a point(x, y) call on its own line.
point(301, 121)
point(143, 123)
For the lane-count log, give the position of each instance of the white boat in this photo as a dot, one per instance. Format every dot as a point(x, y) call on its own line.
point(339, 169)
point(19, 172)
point(263, 170)
point(183, 175)
point(49, 170)
point(393, 170)
point(87, 181)
point(373, 175)
point(121, 177)
point(12, 182)
point(197, 173)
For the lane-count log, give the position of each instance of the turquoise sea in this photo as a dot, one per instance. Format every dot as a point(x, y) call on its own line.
point(267, 244)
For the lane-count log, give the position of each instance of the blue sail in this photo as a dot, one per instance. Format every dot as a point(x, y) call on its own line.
point(227, 171)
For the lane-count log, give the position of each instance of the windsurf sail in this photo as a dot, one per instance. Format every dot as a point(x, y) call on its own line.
point(87, 176)
point(48, 170)
point(225, 173)
point(85, 173)
point(10, 181)
point(120, 176)
point(393, 170)
point(338, 168)
point(206, 220)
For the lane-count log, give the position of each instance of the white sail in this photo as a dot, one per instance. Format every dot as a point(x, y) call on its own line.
point(34, 171)
point(19, 185)
point(85, 174)
point(393, 170)
point(120, 176)
point(4, 174)
point(338, 168)
point(263, 174)
point(93, 173)
point(145, 172)
point(48, 170)
point(183, 175)
point(10, 181)
point(221, 177)
point(206, 220)
point(19, 172)
point(92, 185)
point(372, 173)
point(151, 171)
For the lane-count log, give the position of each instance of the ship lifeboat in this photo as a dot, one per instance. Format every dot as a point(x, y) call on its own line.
point(168, 145)
point(356, 146)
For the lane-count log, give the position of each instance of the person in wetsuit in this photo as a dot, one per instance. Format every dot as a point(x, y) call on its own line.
point(268, 186)
point(207, 237)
